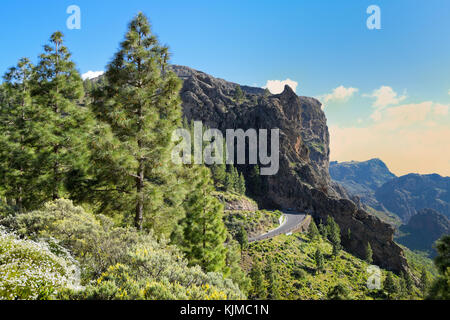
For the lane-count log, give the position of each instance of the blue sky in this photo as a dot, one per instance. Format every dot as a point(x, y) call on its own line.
point(395, 80)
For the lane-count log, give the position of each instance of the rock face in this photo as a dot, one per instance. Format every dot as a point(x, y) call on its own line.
point(303, 181)
point(423, 229)
point(408, 194)
point(362, 179)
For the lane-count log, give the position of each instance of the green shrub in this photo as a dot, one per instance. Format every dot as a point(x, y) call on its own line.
point(30, 270)
point(124, 263)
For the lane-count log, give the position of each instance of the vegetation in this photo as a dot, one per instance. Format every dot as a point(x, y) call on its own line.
point(92, 207)
point(108, 151)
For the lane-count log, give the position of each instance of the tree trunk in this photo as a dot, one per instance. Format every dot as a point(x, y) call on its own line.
point(140, 196)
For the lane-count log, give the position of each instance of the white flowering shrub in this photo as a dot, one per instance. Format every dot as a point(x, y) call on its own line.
point(29, 270)
point(118, 262)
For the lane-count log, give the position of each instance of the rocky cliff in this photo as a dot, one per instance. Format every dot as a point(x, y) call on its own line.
point(303, 181)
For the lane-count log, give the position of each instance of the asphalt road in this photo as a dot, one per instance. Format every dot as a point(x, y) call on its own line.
point(291, 221)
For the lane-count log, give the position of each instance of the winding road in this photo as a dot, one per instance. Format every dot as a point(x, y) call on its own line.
point(291, 222)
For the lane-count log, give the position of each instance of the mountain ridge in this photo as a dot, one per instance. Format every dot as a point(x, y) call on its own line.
point(303, 181)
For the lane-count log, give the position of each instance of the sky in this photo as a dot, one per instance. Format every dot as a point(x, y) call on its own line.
point(386, 92)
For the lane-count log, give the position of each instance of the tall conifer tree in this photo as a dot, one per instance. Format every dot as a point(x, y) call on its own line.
point(62, 124)
point(18, 138)
point(204, 230)
point(139, 108)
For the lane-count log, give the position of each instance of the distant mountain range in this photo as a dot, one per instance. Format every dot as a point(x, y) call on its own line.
point(362, 179)
point(422, 202)
point(423, 229)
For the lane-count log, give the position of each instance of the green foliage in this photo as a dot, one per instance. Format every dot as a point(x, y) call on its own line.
point(440, 289)
point(334, 235)
point(234, 270)
point(157, 274)
point(442, 260)
point(19, 136)
point(313, 232)
point(242, 237)
point(258, 286)
point(240, 186)
point(369, 253)
point(138, 109)
point(34, 270)
point(273, 285)
point(238, 94)
point(125, 258)
point(319, 259)
point(204, 232)
point(63, 126)
point(294, 260)
point(338, 292)
point(255, 181)
point(424, 282)
point(390, 285)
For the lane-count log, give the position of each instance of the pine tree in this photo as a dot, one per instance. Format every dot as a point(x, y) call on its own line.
point(334, 235)
point(242, 237)
point(219, 172)
point(323, 230)
point(424, 282)
point(238, 94)
point(318, 257)
point(204, 230)
point(273, 283)
point(313, 232)
point(229, 181)
point(241, 184)
point(255, 182)
point(389, 285)
point(63, 126)
point(235, 179)
point(139, 108)
point(338, 292)
point(234, 270)
point(18, 138)
point(258, 288)
point(409, 284)
point(369, 253)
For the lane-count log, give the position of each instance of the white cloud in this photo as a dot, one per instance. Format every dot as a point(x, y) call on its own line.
point(440, 109)
point(385, 96)
point(91, 74)
point(339, 94)
point(277, 86)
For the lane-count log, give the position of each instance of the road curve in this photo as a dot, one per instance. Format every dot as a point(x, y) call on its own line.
point(291, 222)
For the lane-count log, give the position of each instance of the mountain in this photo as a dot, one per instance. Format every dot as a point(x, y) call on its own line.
point(362, 178)
point(423, 229)
point(303, 181)
point(408, 194)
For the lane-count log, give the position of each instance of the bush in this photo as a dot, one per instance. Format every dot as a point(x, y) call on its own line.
point(30, 270)
point(125, 263)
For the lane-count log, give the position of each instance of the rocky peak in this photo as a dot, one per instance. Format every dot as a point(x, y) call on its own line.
point(303, 181)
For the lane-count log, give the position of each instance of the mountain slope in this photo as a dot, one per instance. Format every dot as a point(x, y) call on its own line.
point(303, 181)
point(423, 229)
point(408, 194)
point(362, 178)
